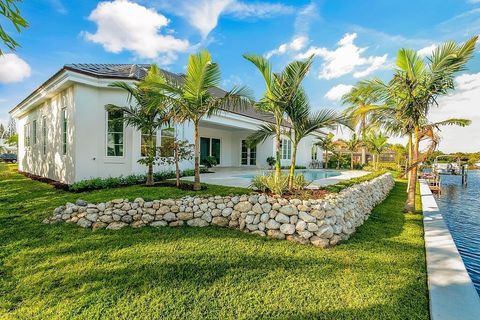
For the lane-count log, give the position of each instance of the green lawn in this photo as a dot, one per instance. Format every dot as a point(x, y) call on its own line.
point(62, 271)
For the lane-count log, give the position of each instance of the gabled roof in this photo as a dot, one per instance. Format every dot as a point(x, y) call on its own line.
point(138, 72)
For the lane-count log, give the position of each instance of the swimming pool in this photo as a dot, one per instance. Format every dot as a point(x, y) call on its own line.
point(460, 208)
point(309, 174)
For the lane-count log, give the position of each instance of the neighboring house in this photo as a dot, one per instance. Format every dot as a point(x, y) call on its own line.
point(64, 131)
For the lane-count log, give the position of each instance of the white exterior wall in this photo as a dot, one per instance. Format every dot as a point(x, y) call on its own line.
point(53, 165)
point(86, 147)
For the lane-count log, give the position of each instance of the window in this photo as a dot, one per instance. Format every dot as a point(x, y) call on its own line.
point(26, 135)
point(64, 131)
point(209, 147)
point(34, 131)
point(249, 155)
point(145, 143)
point(115, 133)
point(167, 141)
point(314, 153)
point(44, 135)
point(286, 149)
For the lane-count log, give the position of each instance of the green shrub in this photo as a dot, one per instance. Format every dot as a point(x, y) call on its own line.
point(271, 161)
point(209, 162)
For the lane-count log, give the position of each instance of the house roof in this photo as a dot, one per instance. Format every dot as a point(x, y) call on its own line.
point(138, 72)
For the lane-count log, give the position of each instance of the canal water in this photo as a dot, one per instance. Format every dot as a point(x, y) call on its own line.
point(460, 207)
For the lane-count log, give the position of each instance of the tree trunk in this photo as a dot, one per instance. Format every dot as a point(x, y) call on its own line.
point(326, 159)
point(351, 160)
point(410, 204)
point(338, 161)
point(196, 182)
point(177, 165)
point(364, 149)
point(364, 155)
point(278, 165)
point(150, 175)
point(292, 166)
point(409, 160)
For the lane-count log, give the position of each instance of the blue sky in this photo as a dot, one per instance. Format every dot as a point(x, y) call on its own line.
point(352, 40)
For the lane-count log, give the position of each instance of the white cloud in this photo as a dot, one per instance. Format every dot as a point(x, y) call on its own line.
point(296, 44)
point(203, 15)
point(345, 59)
point(336, 93)
point(462, 103)
point(124, 25)
point(13, 68)
point(58, 6)
point(427, 51)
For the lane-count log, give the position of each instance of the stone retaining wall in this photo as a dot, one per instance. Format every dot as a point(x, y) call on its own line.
point(324, 222)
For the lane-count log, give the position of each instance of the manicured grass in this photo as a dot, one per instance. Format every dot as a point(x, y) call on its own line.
point(63, 271)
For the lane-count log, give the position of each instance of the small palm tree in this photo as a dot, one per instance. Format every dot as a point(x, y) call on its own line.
point(326, 143)
point(377, 143)
point(280, 93)
point(147, 112)
point(352, 145)
point(303, 123)
point(197, 96)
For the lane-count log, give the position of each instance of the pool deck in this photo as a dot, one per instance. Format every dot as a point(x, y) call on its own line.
point(233, 177)
point(451, 291)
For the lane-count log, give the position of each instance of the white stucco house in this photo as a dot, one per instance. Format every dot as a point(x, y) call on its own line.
point(64, 131)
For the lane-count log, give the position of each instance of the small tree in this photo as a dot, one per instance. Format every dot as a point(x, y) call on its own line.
point(377, 143)
point(352, 145)
point(182, 150)
point(326, 143)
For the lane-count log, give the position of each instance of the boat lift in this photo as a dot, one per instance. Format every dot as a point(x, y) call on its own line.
point(453, 167)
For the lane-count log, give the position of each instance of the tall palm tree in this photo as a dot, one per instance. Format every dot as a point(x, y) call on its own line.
point(197, 96)
point(352, 145)
point(280, 93)
point(303, 123)
point(377, 143)
point(326, 143)
point(147, 112)
point(362, 102)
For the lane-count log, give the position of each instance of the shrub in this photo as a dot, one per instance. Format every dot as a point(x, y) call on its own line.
point(269, 182)
point(209, 162)
point(271, 161)
point(392, 166)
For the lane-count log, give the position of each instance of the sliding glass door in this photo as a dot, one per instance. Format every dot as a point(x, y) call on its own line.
point(249, 154)
point(209, 147)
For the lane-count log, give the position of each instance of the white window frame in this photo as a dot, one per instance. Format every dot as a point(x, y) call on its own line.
point(64, 131)
point(106, 139)
point(27, 135)
point(286, 149)
point(161, 138)
point(44, 135)
point(34, 132)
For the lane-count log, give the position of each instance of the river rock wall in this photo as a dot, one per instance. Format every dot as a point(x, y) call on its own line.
point(323, 222)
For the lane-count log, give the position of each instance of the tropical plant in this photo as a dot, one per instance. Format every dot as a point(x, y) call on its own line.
point(9, 9)
point(302, 123)
point(414, 90)
point(326, 143)
point(401, 153)
point(271, 161)
point(147, 112)
point(352, 145)
point(196, 96)
point(278, 185)
point(209, 162)
point(281, 90)
point(377, 143)
point(362, 101)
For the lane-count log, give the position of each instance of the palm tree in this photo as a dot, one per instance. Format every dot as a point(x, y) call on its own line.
point(196, 96)
point(280, 93)
point(415, 88)
point(352, 145)
point(362, 102)
point(147, 112)
point(376, 143)
point(327, 144)
point(303, 123)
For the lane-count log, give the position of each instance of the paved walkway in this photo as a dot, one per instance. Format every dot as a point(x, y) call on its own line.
point(452, 294)
point(242, 177)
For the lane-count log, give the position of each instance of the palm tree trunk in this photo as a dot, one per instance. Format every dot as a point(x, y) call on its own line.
point(338, 161)
point(196, 182)
point(151, 155)
point(292, 166)
point(177, 165)
point(410, 204)
point(351, 160)
point(409, 160)
point(278, 165)
point(150, 175)
point(364, 149)
point(326, 159)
